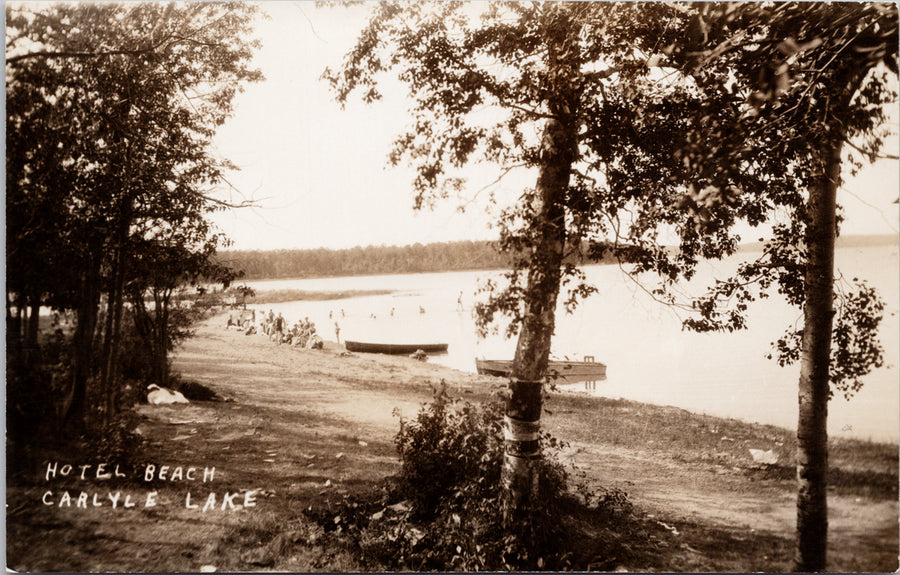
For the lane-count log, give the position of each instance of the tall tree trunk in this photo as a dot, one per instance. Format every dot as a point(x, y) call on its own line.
point(523, 413)
point(13, 329)
point(107, 345)
point(812, 433)
point(161, 358)
point(559, 147)
point(32, 329)
point(114, 336)
point(815, 353)
point(160, 342)
point(75, 409)
point(34, 313)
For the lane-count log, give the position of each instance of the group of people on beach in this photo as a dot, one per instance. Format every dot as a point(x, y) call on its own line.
point(301, 334)
point(275, 327)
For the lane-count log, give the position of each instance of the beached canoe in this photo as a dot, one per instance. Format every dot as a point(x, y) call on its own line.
point(395, 348)
point(561, 371)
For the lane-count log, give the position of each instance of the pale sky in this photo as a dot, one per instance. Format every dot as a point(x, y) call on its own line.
point(320, 174)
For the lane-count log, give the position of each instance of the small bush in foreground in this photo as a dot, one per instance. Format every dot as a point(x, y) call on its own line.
point(444, 510)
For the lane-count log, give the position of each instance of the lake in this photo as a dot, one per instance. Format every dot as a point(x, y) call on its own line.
point(648, 356)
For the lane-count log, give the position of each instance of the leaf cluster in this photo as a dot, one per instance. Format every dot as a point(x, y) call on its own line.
point(856, 349)
point(110, 111)
point(801, 77)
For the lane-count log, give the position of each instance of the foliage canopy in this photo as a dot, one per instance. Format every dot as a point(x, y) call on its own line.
point(689, 120)
point(111, 108)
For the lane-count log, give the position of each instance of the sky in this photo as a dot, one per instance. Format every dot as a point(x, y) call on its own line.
point(319, 174)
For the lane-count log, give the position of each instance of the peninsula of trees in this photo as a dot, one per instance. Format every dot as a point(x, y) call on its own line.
point(370, 260)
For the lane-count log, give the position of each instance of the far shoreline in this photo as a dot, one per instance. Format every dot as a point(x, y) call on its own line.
point(854, 241)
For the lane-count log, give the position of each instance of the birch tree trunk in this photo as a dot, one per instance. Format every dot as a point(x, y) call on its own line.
point(815, 352)
point(523, 414)
point(812, 433)
point(559, 149)
point(75, 407)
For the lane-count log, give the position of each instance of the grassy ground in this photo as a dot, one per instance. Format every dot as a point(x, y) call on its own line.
point(306, 430)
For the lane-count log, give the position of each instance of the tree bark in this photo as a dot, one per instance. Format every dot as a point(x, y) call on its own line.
point(815, 352)
point(812, 433)
point(76, 404)
point(32, 329)
point(523, 414)
point(161, 340)
point(111, 384)
point(13, 328)
point(107, 345)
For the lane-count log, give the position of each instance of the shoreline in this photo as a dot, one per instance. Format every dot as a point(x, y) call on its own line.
point(573, 389)
point(308, 428)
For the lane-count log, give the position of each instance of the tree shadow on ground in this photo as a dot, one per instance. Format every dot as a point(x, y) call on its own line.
point(852, 483)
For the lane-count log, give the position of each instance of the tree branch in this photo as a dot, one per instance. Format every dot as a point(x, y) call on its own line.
point(65, 54)
point(870, 154)
point(224, 204)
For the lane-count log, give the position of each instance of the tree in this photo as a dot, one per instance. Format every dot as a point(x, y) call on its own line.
point(804, 80)
point(162, 264)
point(114, 108)
point(550, 76)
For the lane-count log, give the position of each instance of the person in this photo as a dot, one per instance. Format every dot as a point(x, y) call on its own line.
point(337, 332)
point(459, 305)
point(421, 309)
point(279, 328)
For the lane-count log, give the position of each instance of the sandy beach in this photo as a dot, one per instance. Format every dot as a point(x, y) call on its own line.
point(303, 429)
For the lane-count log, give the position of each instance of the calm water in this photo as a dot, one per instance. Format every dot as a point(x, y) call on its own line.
point(649, 357)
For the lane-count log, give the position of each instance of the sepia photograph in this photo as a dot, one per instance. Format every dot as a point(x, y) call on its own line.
point(328, 286)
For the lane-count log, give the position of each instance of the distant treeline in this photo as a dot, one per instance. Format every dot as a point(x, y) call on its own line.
point(416, 258)
point(371, 260)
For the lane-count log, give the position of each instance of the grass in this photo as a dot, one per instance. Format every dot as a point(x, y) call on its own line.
point(280, 537)
point(857, 467)
point(286, 295)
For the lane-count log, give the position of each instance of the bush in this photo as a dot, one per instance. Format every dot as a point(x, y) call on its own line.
point(450, 447)
point(447, 511)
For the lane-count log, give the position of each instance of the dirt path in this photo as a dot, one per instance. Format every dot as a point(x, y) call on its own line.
point(361, 389)
point(308, 427)
point(756, 517)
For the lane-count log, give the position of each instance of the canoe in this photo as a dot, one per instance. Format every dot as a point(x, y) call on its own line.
point(565, 371)
point(395, 348)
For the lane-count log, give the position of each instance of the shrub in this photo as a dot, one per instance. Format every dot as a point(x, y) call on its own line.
point(447, 510)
